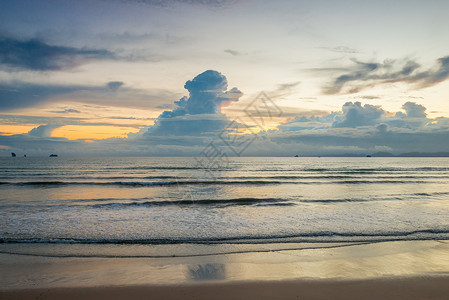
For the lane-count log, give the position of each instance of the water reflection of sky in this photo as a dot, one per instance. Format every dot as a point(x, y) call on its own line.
point(210, 271)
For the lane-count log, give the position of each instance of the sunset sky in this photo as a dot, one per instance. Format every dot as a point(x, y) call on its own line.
point(151, 77)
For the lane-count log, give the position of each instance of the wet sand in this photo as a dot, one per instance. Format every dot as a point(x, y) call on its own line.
point(388, 270)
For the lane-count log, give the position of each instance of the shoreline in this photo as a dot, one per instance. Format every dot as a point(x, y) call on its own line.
point(386, 270)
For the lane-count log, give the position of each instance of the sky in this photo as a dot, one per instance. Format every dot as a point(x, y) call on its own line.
point(239, 77)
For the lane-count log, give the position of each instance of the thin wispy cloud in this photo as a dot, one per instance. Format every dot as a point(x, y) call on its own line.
point(36, 55)
point(17, 94)
point(369, 74)
point(167, 3)
point(233, 52)
point(341, 49)
point(66, 111)
point(65, 120)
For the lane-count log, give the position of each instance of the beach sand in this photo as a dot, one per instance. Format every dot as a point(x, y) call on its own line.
point(395, 289)
point(388, 270)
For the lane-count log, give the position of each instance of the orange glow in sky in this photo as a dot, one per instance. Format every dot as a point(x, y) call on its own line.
point(74, 132)
point(15, 129)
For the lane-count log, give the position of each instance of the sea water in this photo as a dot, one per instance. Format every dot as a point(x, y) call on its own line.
point(254, 202)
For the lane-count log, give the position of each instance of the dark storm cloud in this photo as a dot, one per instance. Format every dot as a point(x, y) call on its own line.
point(36, 55)
point(363, 75)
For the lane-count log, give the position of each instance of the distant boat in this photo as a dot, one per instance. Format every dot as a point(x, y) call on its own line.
point(53, 155)
point(368, 155)
point(296, 155)
point(13, 154)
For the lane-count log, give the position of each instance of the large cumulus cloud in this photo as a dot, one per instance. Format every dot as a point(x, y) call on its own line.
point(354, 114)
point(200, 113)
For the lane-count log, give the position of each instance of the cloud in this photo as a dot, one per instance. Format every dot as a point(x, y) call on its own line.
point(6, 119)
point(200, 112)
point(43, 130)
point(232, 52)
point(115, 85)
point(196, 120)
point(363, 140)
point(405, 131)
point(36, 55)
point(287, 86)
point(354, 115)
point(16, 95)
point(208, 93)
point(363, 75)
point(414, 110)
point(367, 97)
point(165, 3)
point(341, 49)
point(20, 94)
point(66, 111)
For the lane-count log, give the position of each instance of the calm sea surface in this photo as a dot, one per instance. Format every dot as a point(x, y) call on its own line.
point(172, 201)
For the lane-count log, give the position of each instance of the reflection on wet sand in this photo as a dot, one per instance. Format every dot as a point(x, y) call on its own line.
point(206, 272)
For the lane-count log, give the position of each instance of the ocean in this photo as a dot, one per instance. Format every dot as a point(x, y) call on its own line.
point(106, 206)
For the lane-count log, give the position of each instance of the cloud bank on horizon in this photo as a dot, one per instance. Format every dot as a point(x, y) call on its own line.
point(197, 119)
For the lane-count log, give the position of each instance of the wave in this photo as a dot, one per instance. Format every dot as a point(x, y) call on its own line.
point(206, 202)
point(9, 169)
point(156, 168)
point(389, 169)
point(319, 236)
point(205, 182)
point(431, 194)
point(124, 179)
